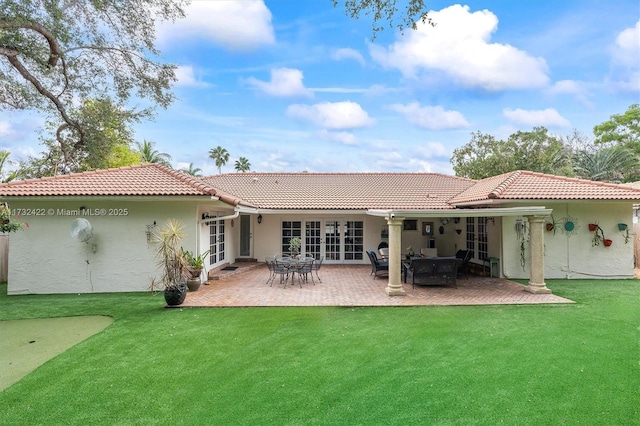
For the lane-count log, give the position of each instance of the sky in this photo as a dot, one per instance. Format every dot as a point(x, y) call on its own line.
point(299, 86)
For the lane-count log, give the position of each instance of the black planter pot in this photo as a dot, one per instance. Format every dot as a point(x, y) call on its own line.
point(175, 296)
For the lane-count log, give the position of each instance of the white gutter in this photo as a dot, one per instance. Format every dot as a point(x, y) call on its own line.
point(236, 213)
point(507, 211)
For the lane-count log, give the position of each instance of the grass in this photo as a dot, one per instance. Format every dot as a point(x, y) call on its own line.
point(525, 365)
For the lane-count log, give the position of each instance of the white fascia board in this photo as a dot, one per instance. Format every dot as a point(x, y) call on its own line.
point(505, 211)
point(133, 198)
point(313, 212)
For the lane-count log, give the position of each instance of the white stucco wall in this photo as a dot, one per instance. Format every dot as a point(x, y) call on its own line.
point(573, 255)
point(44, 258)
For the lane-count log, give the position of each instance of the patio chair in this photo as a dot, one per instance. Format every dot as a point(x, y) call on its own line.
point(305, 268)
point(376, 265)
point(465, 257)
point(270, 261)
point(315, 266)
point(283, 269)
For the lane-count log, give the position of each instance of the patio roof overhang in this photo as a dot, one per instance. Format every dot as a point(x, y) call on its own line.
point(478, 212)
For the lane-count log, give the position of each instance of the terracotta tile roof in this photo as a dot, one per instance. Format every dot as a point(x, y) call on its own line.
point(525, 185)
point(322, 191)
point(342, 191)
point(140, 180)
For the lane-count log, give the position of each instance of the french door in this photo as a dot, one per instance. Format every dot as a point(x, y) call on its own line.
point(338, 241)
point(216, 242)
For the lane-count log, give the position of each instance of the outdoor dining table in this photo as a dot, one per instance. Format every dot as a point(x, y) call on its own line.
point(296, 265)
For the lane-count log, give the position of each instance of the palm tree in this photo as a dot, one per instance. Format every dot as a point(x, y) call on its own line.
point(220, 156)
point(193, 171)
point(4, 161)
point(150, 155)
point(242, 165)
point(608, 164)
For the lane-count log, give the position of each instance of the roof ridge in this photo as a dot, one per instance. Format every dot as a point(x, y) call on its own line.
point(574, 179)
point(190, 180)
point(504, 185)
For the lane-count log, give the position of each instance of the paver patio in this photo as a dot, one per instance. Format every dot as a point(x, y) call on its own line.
point(353, 285)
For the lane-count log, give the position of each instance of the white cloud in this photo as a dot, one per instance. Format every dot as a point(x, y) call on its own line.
point(187, 78)
point(332, 115)
point(430, 117)
point(626, 59)
point(345, 138)
point(285, 82)
point(459, 47)
point(572, 88)
point(348, 53)
point(548, 117)
point(234, 25)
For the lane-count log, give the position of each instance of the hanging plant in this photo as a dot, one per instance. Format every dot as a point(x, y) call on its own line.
point(521, 234)
point(626, 236)
point(553, 225)
point(598, 235)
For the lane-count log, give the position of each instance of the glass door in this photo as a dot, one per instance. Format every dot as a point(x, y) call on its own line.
point(216, 242)
point(245, 235)
point(332, 240)
point(313, 239)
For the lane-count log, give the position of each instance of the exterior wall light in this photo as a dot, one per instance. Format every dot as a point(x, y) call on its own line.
point(259, 218)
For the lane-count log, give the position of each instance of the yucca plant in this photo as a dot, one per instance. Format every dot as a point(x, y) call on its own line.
point(174, 269)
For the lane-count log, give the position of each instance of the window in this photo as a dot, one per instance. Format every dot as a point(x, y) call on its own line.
point(290, 229)
point(483, 246)
point(410, 225)
point(471, 234)
point(354, 240)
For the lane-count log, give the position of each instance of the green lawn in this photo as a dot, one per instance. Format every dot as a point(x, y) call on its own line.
point(518, 365)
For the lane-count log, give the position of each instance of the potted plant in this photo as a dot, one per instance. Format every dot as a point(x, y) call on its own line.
point(195, 266)
point(294, 246)
point(174, 269)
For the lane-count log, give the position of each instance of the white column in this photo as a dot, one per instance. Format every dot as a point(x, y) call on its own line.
point(536, 252)
point(394, 288)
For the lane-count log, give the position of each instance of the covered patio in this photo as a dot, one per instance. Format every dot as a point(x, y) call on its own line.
point(353, 285)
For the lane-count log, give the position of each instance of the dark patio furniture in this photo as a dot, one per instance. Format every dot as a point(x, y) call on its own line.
point(284, 267)
point(316, 266)
point(432, 271)
point(465, 257)
point(305, 268)
point(376, 265)
point(270, 261)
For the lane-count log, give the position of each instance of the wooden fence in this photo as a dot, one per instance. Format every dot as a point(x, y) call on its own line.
point(4, 257)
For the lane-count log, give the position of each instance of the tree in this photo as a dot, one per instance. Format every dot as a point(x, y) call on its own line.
point(484, 156)
point(4, 161)
point(622, 129)
point(242, 165)
point(107, 125)
point(150, 155)
point(220, 156)
point(56, 53)
point(193, 171)
point(606, 164)
point(387, 10)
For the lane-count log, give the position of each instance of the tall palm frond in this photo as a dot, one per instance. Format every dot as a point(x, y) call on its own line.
point(608, 164)
point(150, 155)
point(220, 156)
point(242, 165)
point(193, 171)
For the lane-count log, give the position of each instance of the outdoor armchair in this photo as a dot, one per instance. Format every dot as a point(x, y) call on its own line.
point(376, 265)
